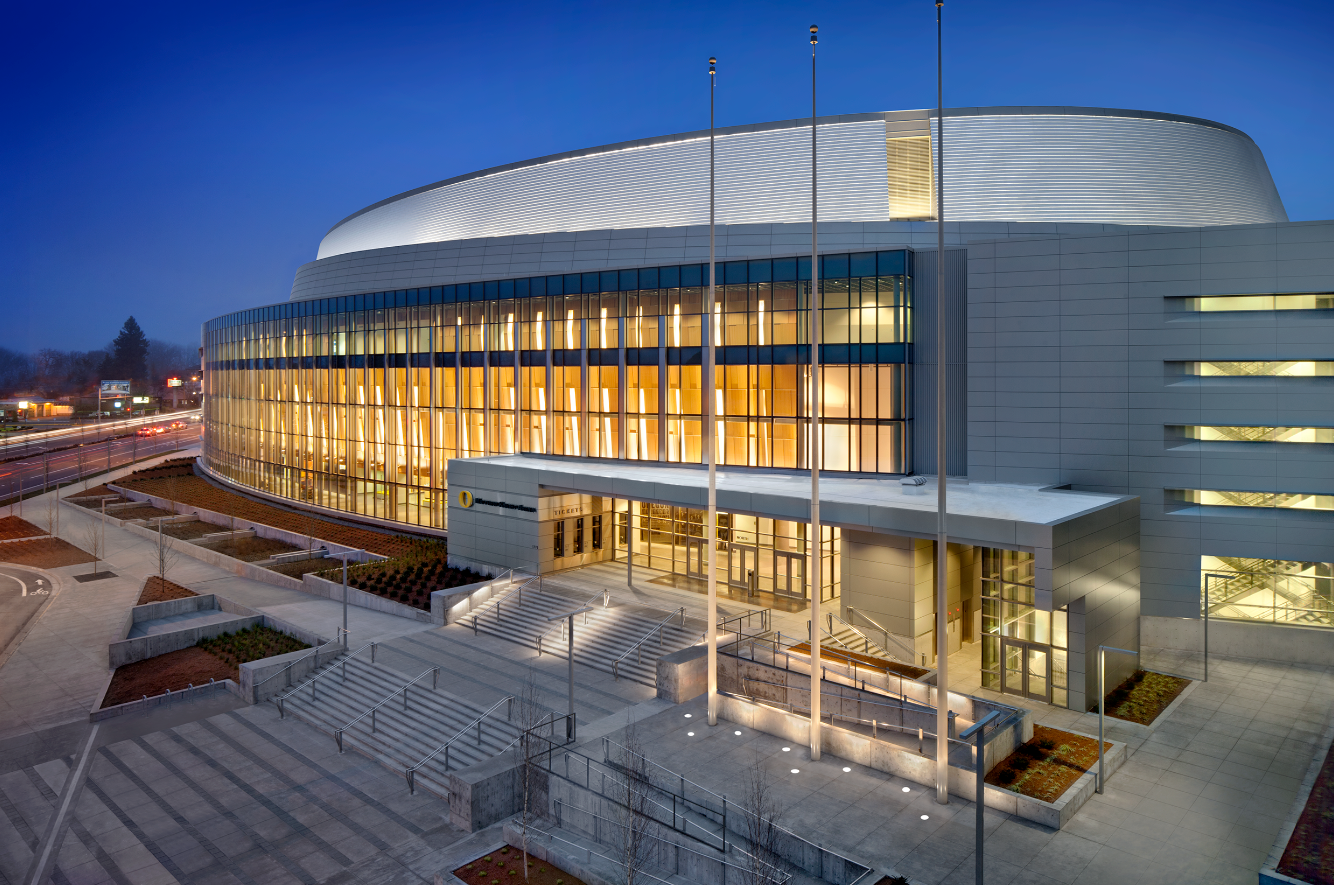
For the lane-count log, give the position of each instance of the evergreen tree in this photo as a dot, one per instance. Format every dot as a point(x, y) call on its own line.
point(129, 352)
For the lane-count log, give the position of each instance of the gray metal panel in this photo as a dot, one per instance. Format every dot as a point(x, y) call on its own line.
point(924, 362)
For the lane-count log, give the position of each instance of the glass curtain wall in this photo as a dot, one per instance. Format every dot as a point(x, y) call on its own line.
point(1024, 649)
point(356, 403)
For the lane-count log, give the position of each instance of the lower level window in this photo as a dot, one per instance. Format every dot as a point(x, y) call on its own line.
point(1276, 591)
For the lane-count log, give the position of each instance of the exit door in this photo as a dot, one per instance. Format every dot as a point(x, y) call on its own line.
point(697, 558)
point(1025, 669)
point(789, 574)
point(741, 561)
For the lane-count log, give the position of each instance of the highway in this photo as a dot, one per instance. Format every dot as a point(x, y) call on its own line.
point(42, 471)
point(24, 445)
point(22, 594)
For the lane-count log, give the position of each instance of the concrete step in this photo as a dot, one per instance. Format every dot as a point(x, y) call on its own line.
point(601, 636)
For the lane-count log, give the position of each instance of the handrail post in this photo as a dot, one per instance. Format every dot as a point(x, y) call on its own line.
point(372, 720)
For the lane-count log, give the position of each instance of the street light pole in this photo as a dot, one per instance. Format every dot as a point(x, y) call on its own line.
point(710, 436)
point(569, 723)
point(979, 756)
point(942, 538)
point(816, 537)
point(1102, 700)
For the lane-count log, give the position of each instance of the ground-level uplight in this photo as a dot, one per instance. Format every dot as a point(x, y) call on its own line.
point(688, 715)
point(737, 733)
point(907, 789)
point(690, 734)
point(926, 817)
point(796, 771)
point(787, 749)
point(846, 769)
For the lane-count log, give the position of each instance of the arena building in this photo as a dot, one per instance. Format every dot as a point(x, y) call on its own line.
point(1141, 379)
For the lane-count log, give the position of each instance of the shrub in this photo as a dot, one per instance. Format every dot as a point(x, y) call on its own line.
point(1006, 777)
point(1021, 763)
point(1047, 744)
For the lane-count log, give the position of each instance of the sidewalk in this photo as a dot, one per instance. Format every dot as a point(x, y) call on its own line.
point(56, 671)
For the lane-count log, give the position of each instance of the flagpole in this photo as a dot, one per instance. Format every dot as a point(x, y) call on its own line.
point(711, 519)
point(814, 541)
point(942, 464)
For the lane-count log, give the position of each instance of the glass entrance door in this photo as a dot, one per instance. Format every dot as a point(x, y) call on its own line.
point(741, 561)
point(789, 574)
point(697, 559)
point(1025, 669)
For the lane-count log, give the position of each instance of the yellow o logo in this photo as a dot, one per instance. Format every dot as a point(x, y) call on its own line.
point(465, 499)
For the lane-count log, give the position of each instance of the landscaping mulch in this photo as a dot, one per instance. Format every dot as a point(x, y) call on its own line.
point(148, 511)
point(43, 553)
point(189, 531)
point(301, 567)
point(16, 527)
point(1047, 765)
point(158, 590)
point(505, 867)
point(410, 578)
point(1143, 696)
point(249, 549)
point(175, 670)
point(250, 644)
point(1309, 855)
point(176, 481)
point(94, 491)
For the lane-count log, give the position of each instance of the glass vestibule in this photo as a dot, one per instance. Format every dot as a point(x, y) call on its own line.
point(754, 554)
point(1024, 649)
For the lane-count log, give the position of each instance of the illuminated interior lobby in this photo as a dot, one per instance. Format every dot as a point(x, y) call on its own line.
point(550, 317)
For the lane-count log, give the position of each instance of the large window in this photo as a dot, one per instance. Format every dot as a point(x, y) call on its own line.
point(1270, 590)
point(1016, 634)
point(356, 403)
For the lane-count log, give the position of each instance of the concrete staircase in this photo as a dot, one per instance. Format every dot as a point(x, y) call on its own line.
point(841, 634)
point(602, 637)
point(402, 738)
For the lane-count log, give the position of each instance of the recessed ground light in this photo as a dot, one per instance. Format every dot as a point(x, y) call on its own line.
point(926, 817)
point(845, 768)
point(796, 771)
point(690, 734)
point(688, 715)
point(787, 749)
point(907, 789)
point(737, 733)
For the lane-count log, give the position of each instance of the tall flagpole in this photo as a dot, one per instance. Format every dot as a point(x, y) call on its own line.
point(942, 546)
point(711, 519)
point(814, 541)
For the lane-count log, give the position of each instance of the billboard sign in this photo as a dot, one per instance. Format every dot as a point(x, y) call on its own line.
point(174, 382)
point(138, 400)
point(115, 388)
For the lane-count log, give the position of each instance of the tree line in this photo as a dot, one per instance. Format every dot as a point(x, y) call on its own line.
point(146, 362)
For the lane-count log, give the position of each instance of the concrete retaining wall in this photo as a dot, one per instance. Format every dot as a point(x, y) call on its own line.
point(1240, 639)
point(317, 586)
point(683, 675)
point(448, 606)
point(307, 661)
point(129, 651)
point(143, 705)
point(482, 794)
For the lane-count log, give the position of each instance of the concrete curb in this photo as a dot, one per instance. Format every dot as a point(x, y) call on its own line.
point(1135, 729)
point(144, 704)
point(56, 586)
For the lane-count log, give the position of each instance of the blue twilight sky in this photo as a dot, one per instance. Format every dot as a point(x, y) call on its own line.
point(180, 161)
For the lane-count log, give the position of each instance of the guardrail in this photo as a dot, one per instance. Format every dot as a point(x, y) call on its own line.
point(435, 676)
point(564, 623)
point(280, 700)
point(745, 621)
point(411, 773)
point(287, 671)
point(638, 647)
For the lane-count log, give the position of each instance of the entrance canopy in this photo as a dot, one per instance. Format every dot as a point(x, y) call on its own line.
point(1062, 528)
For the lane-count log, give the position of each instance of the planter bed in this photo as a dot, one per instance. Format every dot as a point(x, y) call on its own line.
point(302, 567)
point(1046, 766)
point(145, 512)
point(1309, 855)
point(188, 531)
point(12, 527)
point(218, 658)
point(43, 553)
point(158, 590)
point(410, 578)
point(175, 481)
point(1143, 696)
point(506, 866)
point(249, 549)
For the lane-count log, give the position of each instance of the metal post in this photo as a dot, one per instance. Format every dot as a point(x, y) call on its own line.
point(1102, 708)
point(1206, 626)
point(942, 466)
point(571, 657)
point(815, 538)
point(979, 751)
point(710, 437)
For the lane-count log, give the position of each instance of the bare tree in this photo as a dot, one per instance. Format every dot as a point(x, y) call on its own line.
point(761, 812)
point(171, 489)
point(633, 808)
point(92, 537)
point(49, 512)
point(528, 750)
point(166, 557)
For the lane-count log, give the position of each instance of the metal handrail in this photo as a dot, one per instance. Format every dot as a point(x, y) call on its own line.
point(281, 699)
point(745, 616)
point(494, 602)
point(888, 637)
point(288, 669)
point(563, 623)
point(411, 773)
point(638, 647)
point(874, 723)
point(679, 778)
point(435, 674)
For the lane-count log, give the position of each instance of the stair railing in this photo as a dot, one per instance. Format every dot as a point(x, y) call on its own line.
point(411, 773)
point(890, 643)
point(280, 700)
point(638, 647)
point(738, 624)
point(562, 625)
point(495, 603)
point(287, 670)
point(434, 673)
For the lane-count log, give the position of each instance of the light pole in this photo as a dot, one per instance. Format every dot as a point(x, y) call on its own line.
point(345, 556)
point(710, 436)
point(979, 750)
point(569, 723)
point(1207, 597)
point(942, 538)
point(1102, 700)
point(816, 535)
